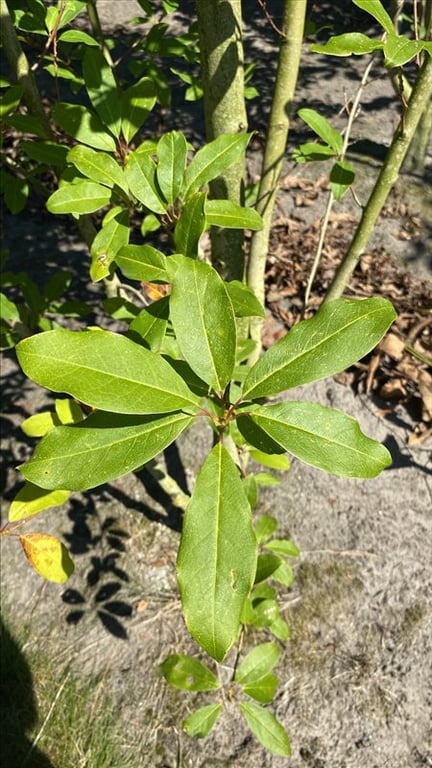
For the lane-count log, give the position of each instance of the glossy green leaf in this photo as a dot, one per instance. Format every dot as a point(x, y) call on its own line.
point(104, 370)
point(377, 10)
point(203, 320)
point(140, 175)
point(322, 128)
point(30, 500)
point(98, 166)
point(102, 89)
point(48, 556)
point(212, 159)
point(262, 690)
point(266, 728)
point(136, 104)
point(113, 236)
point(244, 301)
point(84, 126)
point(217, 556)
point(324, 437)
point(101, 448)
point(189, 674)
point(225, 213)
point(190, 226)
point(257, 437)
point(341, 178)
point(71, 10)
point(349, 43)
point(279, 628)
point(172, 154)
point(83, 197)
point(142, 262)
point(258, 663)
point(398, 50)
point(201, 722)
point(342, 332)
point(77, 36)
point(150, 325)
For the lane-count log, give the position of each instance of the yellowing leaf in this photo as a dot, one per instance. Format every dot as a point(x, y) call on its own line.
point(30, 500)
point(48, 556)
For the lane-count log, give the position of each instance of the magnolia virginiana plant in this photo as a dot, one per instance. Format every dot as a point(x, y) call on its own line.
point(141, 400)
point(182, 359)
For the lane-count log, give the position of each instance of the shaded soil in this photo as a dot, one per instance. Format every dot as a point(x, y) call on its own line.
point(356, 675)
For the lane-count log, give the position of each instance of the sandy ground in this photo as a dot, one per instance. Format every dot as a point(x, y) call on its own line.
point(356, 675)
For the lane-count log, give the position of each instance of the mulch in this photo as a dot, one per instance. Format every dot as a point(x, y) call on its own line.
point(399, 370)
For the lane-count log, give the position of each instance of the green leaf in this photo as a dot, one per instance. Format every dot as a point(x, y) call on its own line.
point(217, 556)
point(244, 301)
point(83, 197)
point(101, 448)
point(273, 461)
point(39, 424)
point(68, 411)
point(265, 613)
point(203, 320)
point(350, 43)
point(265, 526)
point(98, 166)
point(279, 628)
point(266, 728)
point(284, 574)
point(323, 437)
point(189, 674)
point(27, 124)
point(172, 154)
point(267, 563)
point(225, 213)
point(31, 500)
point(377, 10)
point(140, 174)
point(15, 191)
point(113, 236)
point(71, 11)
point(142, 262)
point(341, 178)
point(83, 125)
point(77, 36)
point(398, 50)
point(258, 663)
point(262, 690)
point(150, 325)
point(102, 89)
point(342, 332)
point(312, 152)
point(136, 104)
point(212, 159)
point(201, 722)
point(283, 547)
point(190, 226)
point(256, 436)
point(322, 128)
point(104, 370)
point(10, 100)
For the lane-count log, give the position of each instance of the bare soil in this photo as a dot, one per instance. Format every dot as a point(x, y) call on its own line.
point(356, 674)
